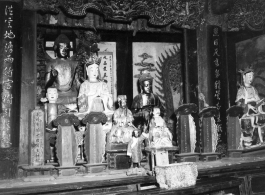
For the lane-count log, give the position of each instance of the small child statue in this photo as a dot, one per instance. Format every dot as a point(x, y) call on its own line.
point(159, 134)
point(51, 111)
point(134, 149)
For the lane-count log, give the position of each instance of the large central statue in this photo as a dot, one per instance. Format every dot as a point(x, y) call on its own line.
point(61, 72)
point(94, 94)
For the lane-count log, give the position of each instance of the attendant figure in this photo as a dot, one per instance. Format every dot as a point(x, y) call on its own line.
point(80, 142)
point(144, 102)
point(94, 94)
point(159, 134)
point(51, 112)
point(248, 98)
point(134, 149)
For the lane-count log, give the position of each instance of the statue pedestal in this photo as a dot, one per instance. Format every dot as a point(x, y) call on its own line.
point(38, 173)
point(95, 140)
point(186, 133)
point(118, 159)
point(66, 142)
point(160, 156)
point(95, 168)
point(209, 134)
point(187, 157)
point(234, 131)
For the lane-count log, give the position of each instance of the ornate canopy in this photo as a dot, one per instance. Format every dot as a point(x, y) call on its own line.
point(231, 15)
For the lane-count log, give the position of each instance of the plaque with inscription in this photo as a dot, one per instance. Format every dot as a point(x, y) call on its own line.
point(36, 145)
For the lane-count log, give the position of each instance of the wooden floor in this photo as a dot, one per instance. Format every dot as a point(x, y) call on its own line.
point(213, 176)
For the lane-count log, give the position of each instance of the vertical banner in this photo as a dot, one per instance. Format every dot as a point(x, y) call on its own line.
point(106, 69)
point(218, 82)
point(9, 59)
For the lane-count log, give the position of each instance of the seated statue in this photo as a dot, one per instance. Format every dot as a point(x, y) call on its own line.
point(122, 128)
point(94, 95)
point(61, 72)
point(159, 134)
point(144, 102)
point(249, 100)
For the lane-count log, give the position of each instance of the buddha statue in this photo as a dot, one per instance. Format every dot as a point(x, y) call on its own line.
point(61, 72)
point(144, 102)
point(94, 95)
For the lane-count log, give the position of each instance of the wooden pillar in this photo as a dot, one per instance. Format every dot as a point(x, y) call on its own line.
point(10, 63)
point(190, 68)
point(204, 72)
point(28, 81)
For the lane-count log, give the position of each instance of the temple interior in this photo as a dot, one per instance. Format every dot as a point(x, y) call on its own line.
point(132, 97)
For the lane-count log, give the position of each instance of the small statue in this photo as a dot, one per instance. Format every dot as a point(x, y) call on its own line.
point(51, 111)
point(134, 149)
point(249, 100)
point(159, 134)
point(61, 72)
point(122, 129)
point(144, 102)
point(94, 94)
point(80, 142)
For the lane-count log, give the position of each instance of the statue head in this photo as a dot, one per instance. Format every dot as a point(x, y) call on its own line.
point(52, 95)
point(122, 101)
point(136, 133)
point(156, 112)
point(248, 76)
point(61, 46)
point(92, 67)
point(146, 81)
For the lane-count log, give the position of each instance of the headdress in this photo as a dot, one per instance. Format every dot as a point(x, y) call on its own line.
point(145, 76)
point(62, 38)
point(246, 70)
point(93, 59)
point(122, 97)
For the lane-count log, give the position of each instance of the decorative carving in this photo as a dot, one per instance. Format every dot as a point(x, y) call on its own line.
point(66, 120)
point(246, 13)
point(95, 118)
point(185, 13)
point(9, 154)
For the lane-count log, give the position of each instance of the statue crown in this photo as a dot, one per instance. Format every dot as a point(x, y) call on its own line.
point(93, 59)
point(144, 76)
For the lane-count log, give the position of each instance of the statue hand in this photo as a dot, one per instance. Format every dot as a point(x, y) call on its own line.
point(43, 100)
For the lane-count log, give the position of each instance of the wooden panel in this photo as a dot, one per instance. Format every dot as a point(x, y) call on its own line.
point(184, 134)
point(206, 135)
point(257, 184)
point(28, 84)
